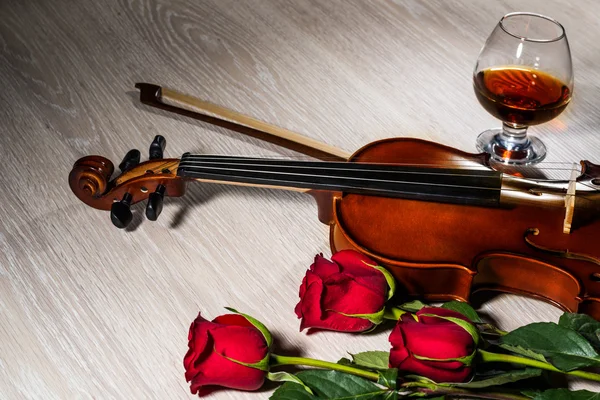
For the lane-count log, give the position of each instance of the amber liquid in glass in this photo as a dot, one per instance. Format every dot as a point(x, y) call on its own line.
point(521, 96)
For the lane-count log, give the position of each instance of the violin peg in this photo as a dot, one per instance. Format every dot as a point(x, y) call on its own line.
point(155, 203)
point(120, 212)
point(131, 159)
point(157, 147)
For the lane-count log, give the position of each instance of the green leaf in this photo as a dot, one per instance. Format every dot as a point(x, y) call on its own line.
point(587, 326)
point(524, 352)
point(497, 379)
point(388, 377)
point(464, 309)
point(566, 394)
point(283, 376)
point(562, 347)
point(291, 391)
point(345, 361)
point(350, 363)
point(338, 385)
point(257, 324)
point(412, 306)
point(372, 359)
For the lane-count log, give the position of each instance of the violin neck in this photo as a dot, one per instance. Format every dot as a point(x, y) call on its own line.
point(472, 187)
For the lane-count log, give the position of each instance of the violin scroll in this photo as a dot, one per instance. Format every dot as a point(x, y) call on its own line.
point(90, 180)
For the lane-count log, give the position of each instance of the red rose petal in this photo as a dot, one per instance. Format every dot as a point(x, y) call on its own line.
point(326, 294)
point(197, 344)
point(355, 263)
point(440, 340)
point(352, 259)
point(217, 370)
point(301, 292)
point(240, 343)
point(323, 267)
point(399, 352)
point(313, 315)
point(310, 304)
point(459, 373)
point(233, 319)
point(361, 268)
point(337, 322)
point(343, 294)
point(437, 341)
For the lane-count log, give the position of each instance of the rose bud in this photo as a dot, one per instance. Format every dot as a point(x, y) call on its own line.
point(231, 351)
point(346, 294)
point(436, 343)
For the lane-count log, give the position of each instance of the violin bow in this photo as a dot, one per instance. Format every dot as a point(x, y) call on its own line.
point(171, 100)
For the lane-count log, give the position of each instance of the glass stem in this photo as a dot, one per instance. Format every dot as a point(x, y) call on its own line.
point(513, 135)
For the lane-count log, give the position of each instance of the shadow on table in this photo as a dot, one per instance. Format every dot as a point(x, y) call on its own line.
point(198, 194)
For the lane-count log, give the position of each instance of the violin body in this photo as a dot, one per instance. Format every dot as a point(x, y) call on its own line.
point(443, 251)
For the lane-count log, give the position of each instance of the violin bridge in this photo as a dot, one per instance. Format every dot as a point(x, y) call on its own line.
point(570, 200)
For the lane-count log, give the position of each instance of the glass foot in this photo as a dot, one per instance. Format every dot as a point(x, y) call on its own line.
point(529, 150)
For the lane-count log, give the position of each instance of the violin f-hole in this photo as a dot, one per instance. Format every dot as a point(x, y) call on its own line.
point(556, 252)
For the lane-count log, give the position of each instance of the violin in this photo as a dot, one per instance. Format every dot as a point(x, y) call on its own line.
point(442, 221)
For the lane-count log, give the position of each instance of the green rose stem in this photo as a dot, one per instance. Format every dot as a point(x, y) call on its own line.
point(277, 360)
point(486, 356)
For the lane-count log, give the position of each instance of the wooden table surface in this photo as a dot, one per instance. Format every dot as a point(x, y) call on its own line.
point(90, 311)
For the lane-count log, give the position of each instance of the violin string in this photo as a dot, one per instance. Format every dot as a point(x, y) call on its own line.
point(443, 163)
point(342, 188)
point(186, 164)
point(336, 166)
point(342, 165)
point(212, 168)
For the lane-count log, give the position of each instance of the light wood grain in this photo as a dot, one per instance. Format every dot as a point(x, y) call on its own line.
point(88, 311)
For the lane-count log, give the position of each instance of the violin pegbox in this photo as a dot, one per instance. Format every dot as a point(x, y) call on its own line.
point(153, 179)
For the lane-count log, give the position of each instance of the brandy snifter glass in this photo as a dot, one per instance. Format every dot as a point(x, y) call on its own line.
point(523, 77)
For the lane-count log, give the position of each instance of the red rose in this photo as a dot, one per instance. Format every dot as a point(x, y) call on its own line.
point(346, 294)
point(433, 345)
point(219, 349)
